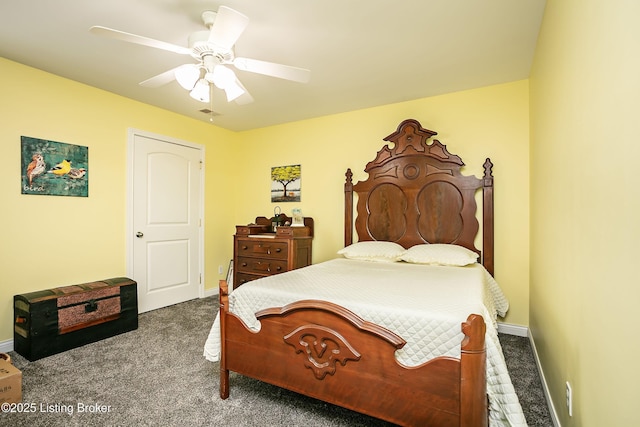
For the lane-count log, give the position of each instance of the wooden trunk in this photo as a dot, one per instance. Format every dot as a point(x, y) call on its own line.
point(55, 320)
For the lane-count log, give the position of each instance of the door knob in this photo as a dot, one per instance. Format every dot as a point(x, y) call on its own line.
point(139, 234)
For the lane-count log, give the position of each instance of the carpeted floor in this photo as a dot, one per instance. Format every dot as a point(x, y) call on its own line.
point(157, 376)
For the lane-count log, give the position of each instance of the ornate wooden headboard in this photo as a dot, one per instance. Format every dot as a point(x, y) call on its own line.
point(416, 194)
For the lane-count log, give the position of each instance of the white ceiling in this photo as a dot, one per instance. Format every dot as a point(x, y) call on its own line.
point(361, 53)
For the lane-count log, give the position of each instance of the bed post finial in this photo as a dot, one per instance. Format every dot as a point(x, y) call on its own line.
point(348, 208)
point(488, 173)
point(487, 217)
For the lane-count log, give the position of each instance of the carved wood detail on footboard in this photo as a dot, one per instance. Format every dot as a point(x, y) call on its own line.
point(325, 351)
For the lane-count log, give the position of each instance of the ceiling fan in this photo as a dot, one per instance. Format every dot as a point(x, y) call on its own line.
point(213, 48)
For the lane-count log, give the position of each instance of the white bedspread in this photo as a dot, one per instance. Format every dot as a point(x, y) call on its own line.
point(425, 305)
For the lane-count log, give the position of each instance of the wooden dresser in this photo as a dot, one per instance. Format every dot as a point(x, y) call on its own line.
point(258, 252)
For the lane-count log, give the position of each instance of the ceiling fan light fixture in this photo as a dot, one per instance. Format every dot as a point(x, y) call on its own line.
point(211, 48)
point(187, 75)
point(200, 91)
point(225, 79)
point(233, 91)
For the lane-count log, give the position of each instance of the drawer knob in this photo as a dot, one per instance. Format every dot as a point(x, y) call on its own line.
point(279, 268)
point(244, 247)
point(278, 249)
point(244, 264)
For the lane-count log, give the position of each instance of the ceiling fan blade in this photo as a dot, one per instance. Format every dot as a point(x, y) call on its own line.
point(227, 27)
point(161, 79)
point(272, 69)
point(133, 38)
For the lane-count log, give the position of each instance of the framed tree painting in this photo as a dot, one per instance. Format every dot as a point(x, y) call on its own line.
point(285, 183)
point(54, 168)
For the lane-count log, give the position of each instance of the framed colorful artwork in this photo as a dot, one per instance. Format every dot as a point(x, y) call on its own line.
point(285, 183)
point(54, 168)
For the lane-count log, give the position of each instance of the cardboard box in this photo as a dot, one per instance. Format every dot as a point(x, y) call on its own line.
point(10, 383)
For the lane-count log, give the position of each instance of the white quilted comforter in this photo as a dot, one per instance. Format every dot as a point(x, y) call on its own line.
point(424, 304)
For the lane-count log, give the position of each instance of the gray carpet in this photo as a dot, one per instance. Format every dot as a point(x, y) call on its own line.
point(157, 376)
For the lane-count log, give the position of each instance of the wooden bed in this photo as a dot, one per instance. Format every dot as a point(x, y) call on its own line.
point(414, 194)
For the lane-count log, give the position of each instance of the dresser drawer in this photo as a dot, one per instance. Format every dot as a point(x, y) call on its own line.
point(262, 249)
point(242, 278)
point(261, 265)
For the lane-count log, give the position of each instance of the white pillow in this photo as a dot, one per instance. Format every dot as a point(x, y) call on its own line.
point(440, 254)
point(373, 251)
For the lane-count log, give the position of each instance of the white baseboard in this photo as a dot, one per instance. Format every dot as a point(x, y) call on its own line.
point(6, 346)
point(545, 387)
point(523, 331)
point(210, 292)
point(509, 329)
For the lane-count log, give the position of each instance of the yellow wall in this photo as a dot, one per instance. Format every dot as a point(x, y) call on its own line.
point(50, 241)
point(475, 124)
point(585, 207)
point(582, 211)
point(58, 241)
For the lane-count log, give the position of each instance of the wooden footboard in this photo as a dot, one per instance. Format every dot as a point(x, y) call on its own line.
point(325, 351)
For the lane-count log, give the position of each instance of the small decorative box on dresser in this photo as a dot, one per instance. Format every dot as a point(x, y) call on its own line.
point(260, 252)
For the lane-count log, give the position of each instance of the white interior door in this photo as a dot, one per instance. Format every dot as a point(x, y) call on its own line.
point(165, 202)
